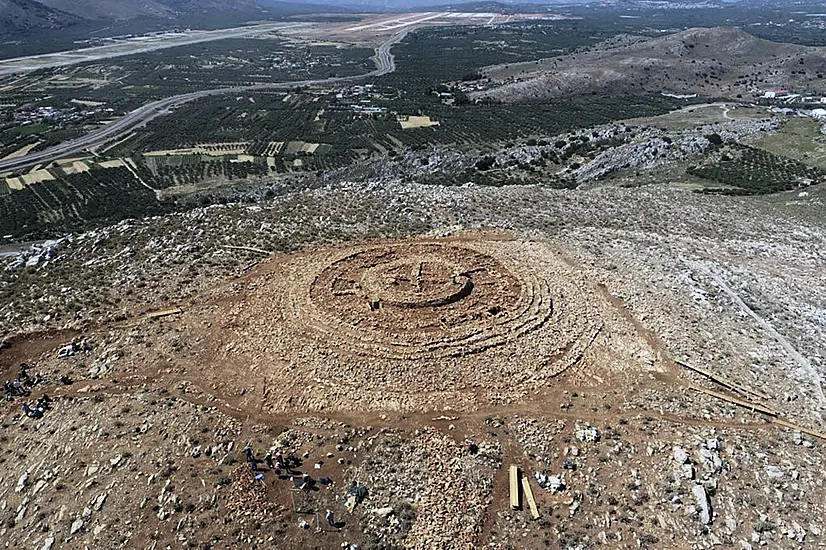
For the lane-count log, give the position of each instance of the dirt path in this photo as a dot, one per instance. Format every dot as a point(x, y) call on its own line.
point(541, 406)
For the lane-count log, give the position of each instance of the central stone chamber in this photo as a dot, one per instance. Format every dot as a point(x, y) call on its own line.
point(422, 282)
point(417, 288)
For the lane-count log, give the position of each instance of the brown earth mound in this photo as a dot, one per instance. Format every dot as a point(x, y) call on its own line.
point(413, 325)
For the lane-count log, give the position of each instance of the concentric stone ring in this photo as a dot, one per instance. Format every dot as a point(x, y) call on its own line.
point(414, 324)
point(419, 300)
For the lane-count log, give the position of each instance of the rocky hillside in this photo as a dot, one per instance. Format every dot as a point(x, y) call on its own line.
point(713, 62)
point(189, 6)
point(108, 9)
point(21, 16)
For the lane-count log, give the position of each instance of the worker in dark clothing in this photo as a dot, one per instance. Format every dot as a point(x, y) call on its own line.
point(37, 412)
point(249, 457)
point(291, 462)
point(331, 519)
point(43, 403)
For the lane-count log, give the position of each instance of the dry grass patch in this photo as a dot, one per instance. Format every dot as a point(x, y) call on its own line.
point(408, 122)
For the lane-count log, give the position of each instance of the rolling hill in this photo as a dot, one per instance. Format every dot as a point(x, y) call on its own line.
point(711, 62)
point(108, 9)
point(22, 16)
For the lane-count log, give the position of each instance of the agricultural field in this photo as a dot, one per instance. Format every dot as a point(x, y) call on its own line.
point(47, 107)
point(742, 169)
point(424, 121)
point(421, 108)
point(800, 139)
point(424, 65)
point(74, 199)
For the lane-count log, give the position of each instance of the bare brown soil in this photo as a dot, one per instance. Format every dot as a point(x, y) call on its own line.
point(406, 326)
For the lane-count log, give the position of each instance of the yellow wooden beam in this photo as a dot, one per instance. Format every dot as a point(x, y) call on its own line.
point(514, 483)
point(164, 313)
point(803, 429)
point(731, 399)
point(526, 488)
point(248, 249)
point(723, 381)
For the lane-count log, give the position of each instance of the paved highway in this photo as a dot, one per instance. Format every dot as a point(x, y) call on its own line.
point(385, 63)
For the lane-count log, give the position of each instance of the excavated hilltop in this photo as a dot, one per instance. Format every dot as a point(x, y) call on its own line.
point(412, 326)
point(647, 358)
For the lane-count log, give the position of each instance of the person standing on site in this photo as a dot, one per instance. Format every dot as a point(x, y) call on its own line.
point(249, 457)
point(331, 519)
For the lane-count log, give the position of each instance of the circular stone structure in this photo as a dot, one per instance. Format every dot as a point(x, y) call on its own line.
point(422, 300)
point(421, 282)
point(412, 325)
point(415, 299)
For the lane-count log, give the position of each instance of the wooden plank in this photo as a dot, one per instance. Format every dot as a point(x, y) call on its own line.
point(248, 249)
point(737, 401)
point(724, 381)
point(514, 483)
point(164, 313)
point(765, 410)
point(803, 429)
point(526, 488)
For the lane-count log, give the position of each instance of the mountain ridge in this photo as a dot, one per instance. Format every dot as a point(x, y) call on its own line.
point(21, 16)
